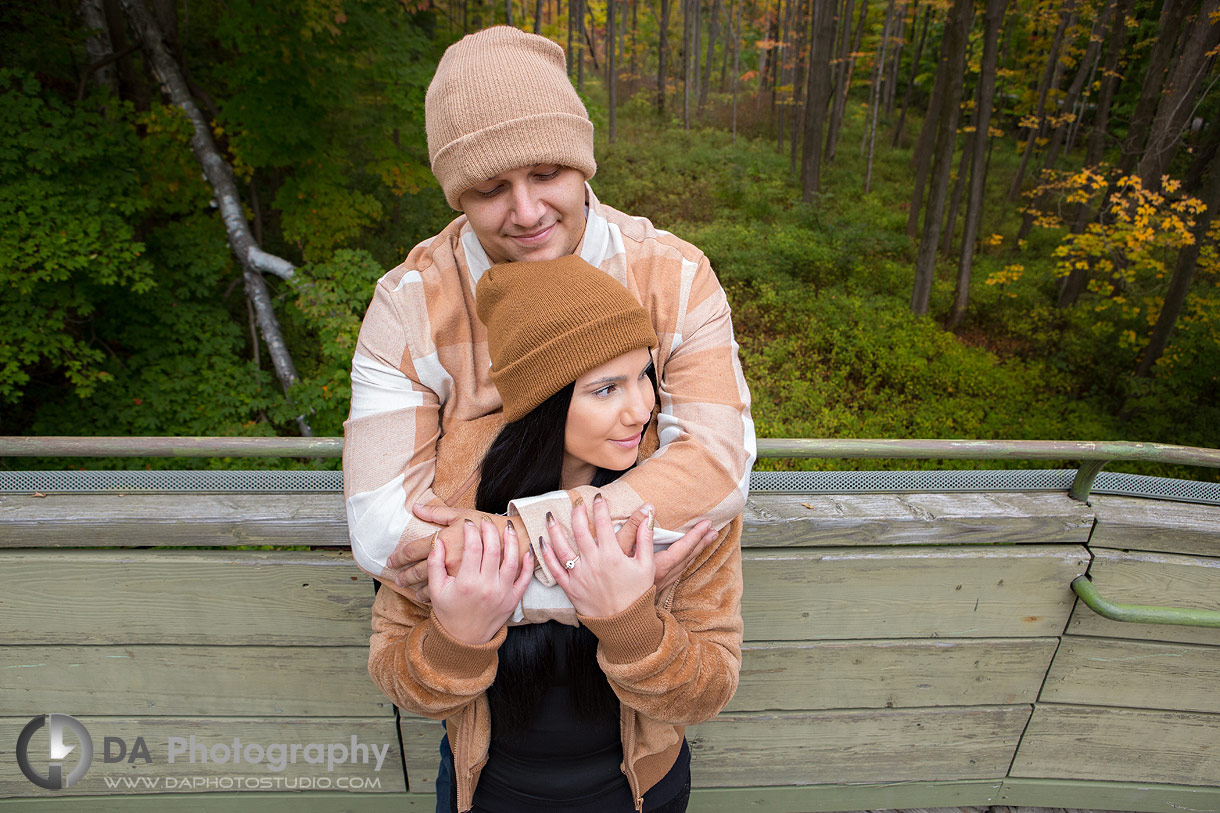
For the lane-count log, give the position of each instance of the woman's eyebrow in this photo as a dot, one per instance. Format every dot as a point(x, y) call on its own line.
point(609, 379)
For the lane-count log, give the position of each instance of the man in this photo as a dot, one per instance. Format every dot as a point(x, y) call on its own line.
point(512, 147)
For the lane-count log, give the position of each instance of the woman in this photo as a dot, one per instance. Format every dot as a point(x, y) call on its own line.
point(578, 718)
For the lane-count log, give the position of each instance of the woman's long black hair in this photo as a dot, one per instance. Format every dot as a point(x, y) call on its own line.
point(526, 459)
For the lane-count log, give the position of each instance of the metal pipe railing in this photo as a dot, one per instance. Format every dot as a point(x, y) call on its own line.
point(1140, 613)
point(1093, 455)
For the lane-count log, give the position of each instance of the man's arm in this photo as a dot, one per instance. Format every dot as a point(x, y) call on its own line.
point(707, 446)
point(389, 453)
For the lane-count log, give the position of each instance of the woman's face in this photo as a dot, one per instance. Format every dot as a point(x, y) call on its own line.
point(611, 405)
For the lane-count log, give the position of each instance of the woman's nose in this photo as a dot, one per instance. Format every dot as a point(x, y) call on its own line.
point(638, 407)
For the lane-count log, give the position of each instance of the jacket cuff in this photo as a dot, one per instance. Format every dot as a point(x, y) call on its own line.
point(461, 660)
point(631, 635)
point(533, 511)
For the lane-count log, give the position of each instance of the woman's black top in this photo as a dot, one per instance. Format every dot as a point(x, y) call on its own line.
point(563, 762)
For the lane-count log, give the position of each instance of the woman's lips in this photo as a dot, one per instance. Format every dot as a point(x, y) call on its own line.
point(629, 443)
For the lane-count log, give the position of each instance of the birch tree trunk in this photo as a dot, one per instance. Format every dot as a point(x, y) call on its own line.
point(98, 45)
point(662, 57)
point(713, 31)
point(220, 175)
point(832, 138)
point(611, 67)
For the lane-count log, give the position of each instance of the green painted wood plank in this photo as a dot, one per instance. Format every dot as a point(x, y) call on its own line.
point(97, 520)
point(893, 673)
point(196, 597)
point(910, 592)
point(1149, 798)
point(1133, 523)
point(778, 520)
point(1120, 745)
point(218, 735)
point(1157, 579)
point(150, 680)
point(1134, 674)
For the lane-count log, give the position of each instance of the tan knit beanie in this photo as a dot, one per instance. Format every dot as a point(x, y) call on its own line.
point(549, 323)
point(500, 100)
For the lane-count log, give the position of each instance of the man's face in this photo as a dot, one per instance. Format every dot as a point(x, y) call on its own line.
point(531, 213)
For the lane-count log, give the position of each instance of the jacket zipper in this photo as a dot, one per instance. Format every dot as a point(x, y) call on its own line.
point(628, 735)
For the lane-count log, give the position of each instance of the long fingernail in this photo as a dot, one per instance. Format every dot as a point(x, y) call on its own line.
point(598, 497)
point(652, 520)
point(434, 536)
point(579, 501)
point(469, 523)
point(541, 542)
point(510, 529)
point(550, 518)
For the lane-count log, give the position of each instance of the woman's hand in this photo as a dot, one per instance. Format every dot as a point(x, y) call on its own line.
point(474, 604)
point(603, 580)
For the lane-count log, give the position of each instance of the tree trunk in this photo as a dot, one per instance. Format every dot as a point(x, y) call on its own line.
point(984, 100)
point(832, 137)
point(818, 84)
point(899, 39)
point(580, 45)
point(736, 64)
point(801, 79)
point(687, 38)
point(1179, 282)
point(1044, 87)
point(1172, 13)
point(611, 67)
point(662, 54)
point(1069, 101)
point(696, 41)
point(571, 34)
point(713, 31)
point(1096, 145)
point(955, 198)
point(220, 175)
point(874, 96)
point(1178, 101)
point(98, 46)
point(924, 148)
point(906, 97)
point(508, 12)
point(957, 32)
point(537, 16)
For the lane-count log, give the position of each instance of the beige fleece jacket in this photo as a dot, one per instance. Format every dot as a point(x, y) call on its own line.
point(672, 659)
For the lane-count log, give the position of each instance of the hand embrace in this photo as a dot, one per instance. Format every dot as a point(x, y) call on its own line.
point(474, 604)
point(602, 580)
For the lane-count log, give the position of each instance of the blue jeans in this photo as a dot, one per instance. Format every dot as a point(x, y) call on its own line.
point(444, 778)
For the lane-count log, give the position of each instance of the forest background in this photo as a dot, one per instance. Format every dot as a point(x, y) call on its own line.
point(933, 218)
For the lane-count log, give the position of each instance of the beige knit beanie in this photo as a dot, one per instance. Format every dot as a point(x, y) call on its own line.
point(549, 323)
point(500, 100)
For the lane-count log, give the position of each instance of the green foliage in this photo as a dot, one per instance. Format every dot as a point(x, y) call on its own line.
point(67, 199)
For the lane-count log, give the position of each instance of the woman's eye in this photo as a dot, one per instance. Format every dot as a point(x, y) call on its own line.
point(488, 193)
point(604, 392)
point(547, 174)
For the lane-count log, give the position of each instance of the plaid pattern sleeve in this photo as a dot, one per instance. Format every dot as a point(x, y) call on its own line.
point(421, 365)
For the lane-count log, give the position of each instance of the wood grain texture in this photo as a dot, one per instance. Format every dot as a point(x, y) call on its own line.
point(1121, 745)
point(803, 748)
point(778, 520)
point(195, 597)
point(212, 732)
point(1134, 674)
point(896, 745)
point(772, 520)
point(1163, 579)
point(891, 673)
point(1156, 525)
point(1141, 796)
point(93, 520)
point(143, 681)
point(909, 592)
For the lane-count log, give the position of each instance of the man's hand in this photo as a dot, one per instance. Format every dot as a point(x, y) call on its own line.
point(410, 559)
